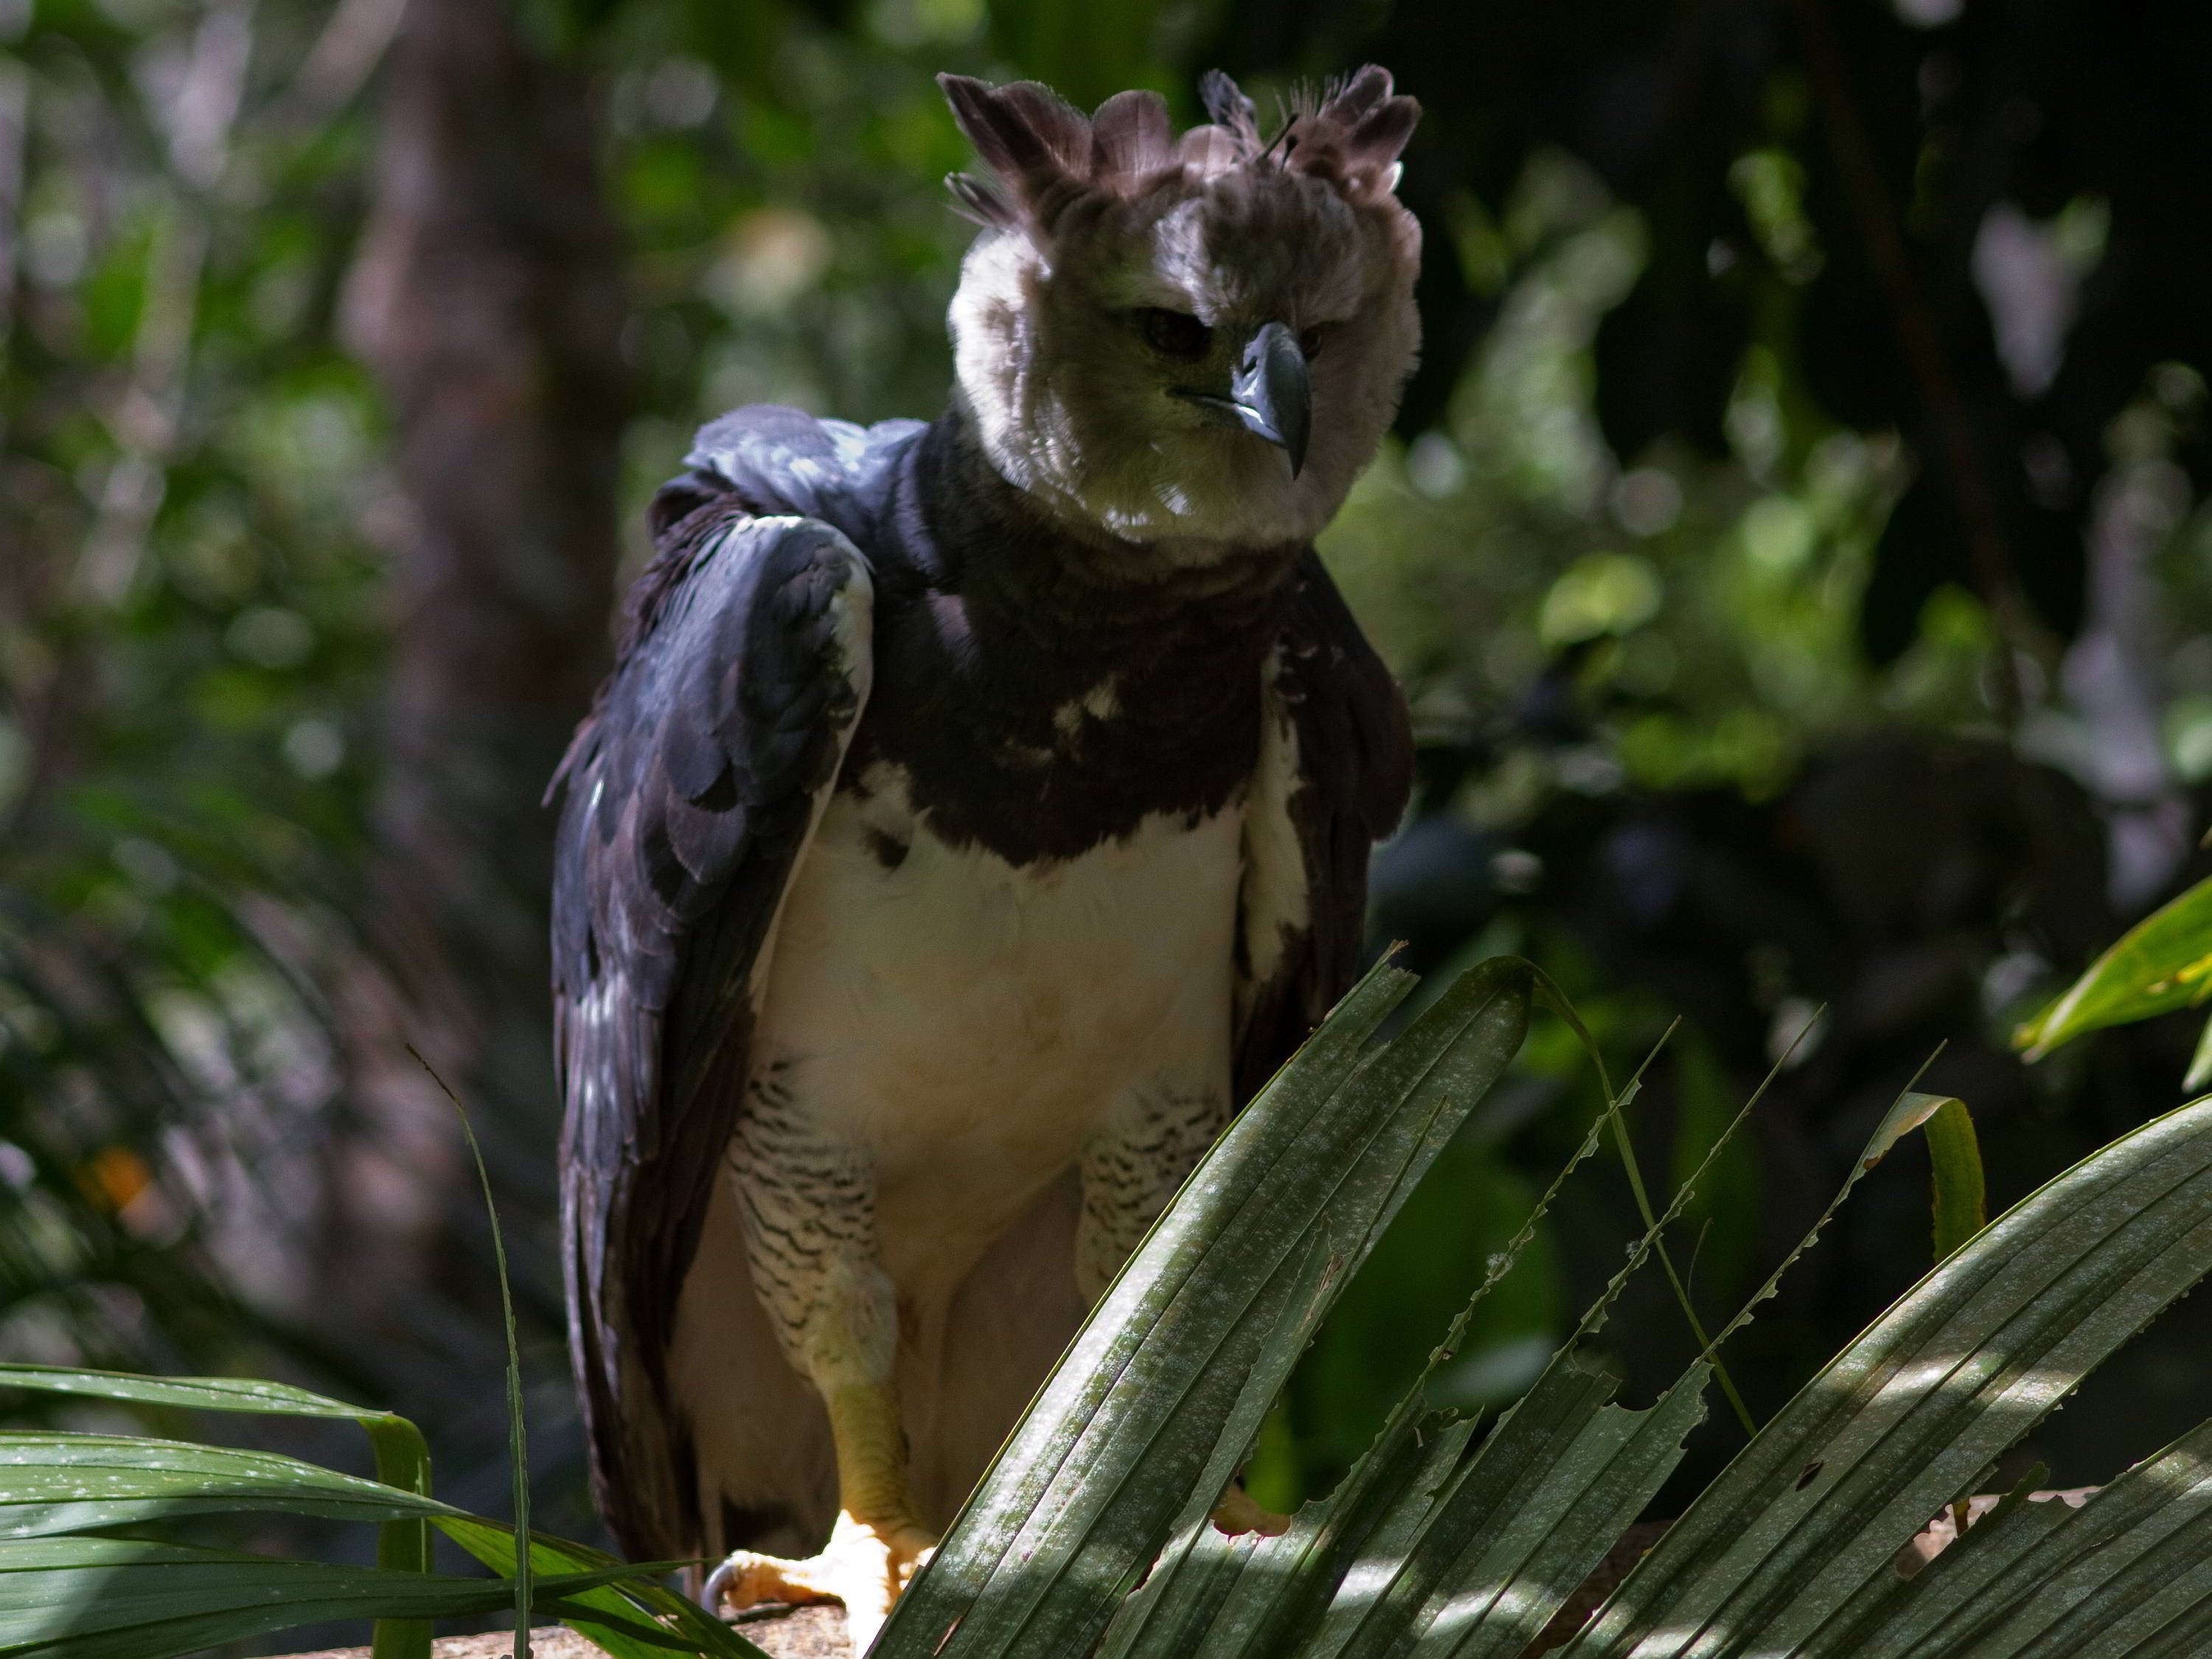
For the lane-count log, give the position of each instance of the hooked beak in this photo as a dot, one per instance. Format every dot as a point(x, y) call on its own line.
point(1269, 396)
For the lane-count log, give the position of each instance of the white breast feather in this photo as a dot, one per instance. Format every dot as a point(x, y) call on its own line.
point(971, 1021)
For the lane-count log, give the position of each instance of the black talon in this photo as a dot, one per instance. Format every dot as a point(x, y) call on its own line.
point(716, 1587)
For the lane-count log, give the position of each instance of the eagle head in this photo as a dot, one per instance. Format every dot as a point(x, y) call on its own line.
point(1196, 339)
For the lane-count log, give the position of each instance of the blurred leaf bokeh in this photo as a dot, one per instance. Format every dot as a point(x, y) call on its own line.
point(1794, 546)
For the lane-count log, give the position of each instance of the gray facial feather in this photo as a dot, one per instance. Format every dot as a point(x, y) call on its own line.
point(1095, 220)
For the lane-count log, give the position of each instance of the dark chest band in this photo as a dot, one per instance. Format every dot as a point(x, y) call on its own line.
point(1044, 693)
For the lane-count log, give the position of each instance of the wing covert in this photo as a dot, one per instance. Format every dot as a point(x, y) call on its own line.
point(691, 790)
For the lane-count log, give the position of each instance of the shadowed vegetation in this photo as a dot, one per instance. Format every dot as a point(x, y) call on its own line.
point(1793, 547)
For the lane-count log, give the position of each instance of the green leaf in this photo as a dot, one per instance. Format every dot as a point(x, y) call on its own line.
point(641, 1620)
point(1792, 1545)
point(1545, 1497)
point(203, 1393)
point(2163, 963)
point(1908, 1112)
point(1450, 1554)
point(1401, 1495)
point(1528, 1518)
point(1136, 1433)
point(1957, 1198)
point(111, 1598)
point(1253, 1597)
point(2200, 1063)
point(403, 1459)
point(1954, 1157)
point(1248, 1595)
point(2129, 1571)
point(58, 1483)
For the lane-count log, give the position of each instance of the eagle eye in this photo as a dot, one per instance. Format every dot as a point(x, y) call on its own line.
point(1309, 342)
point(1175, 333)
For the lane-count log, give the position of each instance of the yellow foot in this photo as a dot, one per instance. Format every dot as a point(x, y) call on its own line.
point(1237, 1513)
point(865, 1564)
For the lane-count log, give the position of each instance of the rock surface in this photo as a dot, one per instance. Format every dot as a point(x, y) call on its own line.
point(782, 1632)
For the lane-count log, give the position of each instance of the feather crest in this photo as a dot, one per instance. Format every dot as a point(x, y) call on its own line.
point(1130, 134)
point(1045, 154)
point(1353, 132)
point(1232, 111)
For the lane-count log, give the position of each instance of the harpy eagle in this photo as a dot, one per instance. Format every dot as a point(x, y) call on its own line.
point(978, 812)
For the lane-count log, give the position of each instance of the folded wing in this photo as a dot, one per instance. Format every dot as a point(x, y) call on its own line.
point(691, 790)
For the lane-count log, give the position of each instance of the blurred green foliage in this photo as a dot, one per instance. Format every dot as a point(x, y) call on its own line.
point(1717, 719)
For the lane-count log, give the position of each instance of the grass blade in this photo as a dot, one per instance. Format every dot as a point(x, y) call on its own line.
point(1552, 996)
point(408, 1645)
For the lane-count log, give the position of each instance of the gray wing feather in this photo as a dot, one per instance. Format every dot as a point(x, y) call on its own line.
point(1355, 768)
point(691, 790)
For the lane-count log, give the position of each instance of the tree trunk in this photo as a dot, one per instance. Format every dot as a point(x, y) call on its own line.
point(487, 300)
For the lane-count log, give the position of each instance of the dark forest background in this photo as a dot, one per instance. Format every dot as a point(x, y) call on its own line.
point(1794, 546)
